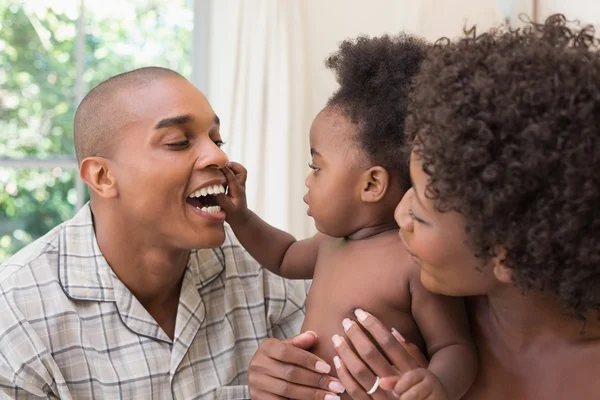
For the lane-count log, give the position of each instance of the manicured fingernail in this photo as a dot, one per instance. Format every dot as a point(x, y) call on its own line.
point(337, 362)
point(397, 335)
point(337, 387)
point(337, 340)
point(360, 314)
point(346, 323)
point(331, 397)
point(322, 367)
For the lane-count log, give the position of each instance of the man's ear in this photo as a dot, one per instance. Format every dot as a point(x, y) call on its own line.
point(96, 172)
point(375, 184)
point(501, 271)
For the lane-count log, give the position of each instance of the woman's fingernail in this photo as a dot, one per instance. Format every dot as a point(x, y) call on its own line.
point(331, 397)
point(313, 333)
point(337, 340)
point(337, 387)
point(322, 367)
point(337, 362)
point(360, 314)
point(397, 335)
point(346, 323)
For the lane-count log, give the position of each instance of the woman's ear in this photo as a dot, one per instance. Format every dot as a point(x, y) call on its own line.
point(375, 184)
point(96, 172)
point(501, 271)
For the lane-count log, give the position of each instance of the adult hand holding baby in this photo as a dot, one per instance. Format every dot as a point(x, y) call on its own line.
point(365, 369)
point(285, 369)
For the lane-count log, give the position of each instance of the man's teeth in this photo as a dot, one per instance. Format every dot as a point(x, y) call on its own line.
point(211, 209)
point(212, 190)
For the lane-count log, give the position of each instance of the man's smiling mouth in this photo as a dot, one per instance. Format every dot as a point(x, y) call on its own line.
point(204, 198)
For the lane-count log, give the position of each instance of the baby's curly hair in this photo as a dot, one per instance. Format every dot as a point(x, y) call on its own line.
point(507, 125)
point(375, 75)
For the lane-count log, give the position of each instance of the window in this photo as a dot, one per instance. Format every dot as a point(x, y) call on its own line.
point(51, 53)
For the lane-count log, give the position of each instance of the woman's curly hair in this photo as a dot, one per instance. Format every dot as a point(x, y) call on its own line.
point(507, 125)
point(375, 76)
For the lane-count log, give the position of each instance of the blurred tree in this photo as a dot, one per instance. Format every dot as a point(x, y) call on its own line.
point(37, 96)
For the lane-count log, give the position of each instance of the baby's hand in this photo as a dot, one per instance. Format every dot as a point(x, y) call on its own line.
point(416, 384)
point(234, 202)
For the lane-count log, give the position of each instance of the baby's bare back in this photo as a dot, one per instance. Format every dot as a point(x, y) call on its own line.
point(371, 274)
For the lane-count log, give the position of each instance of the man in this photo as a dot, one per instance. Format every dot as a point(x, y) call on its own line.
point(144, 293)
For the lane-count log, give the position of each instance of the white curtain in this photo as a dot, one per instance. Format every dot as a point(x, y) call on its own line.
point(257, 87)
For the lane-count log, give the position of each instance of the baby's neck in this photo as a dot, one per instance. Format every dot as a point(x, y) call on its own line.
point(371, 231)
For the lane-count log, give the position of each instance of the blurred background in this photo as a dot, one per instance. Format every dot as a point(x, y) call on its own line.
point(260, 62)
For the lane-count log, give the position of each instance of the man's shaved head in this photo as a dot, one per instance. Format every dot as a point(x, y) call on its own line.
point(102, 113)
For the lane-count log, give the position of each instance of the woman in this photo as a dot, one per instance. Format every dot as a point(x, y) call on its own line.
point(505, 210)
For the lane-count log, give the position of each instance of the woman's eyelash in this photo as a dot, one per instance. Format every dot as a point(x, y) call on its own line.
point(313, 167)
point(219, 143)
point(413, 216)
point(179, 144)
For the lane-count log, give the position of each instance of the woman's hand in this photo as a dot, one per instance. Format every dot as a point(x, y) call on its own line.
point(285, 370)
point(406, 377)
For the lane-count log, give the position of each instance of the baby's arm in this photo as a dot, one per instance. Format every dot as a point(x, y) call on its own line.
point(274, 249)
point(445, 328)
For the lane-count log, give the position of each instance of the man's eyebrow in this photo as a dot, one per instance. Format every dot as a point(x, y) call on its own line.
point(172, 121)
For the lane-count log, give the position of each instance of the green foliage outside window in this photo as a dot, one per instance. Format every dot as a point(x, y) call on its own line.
point(37, 91)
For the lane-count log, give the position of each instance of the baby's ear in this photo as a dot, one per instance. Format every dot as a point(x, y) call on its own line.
point(96, 172)
point(375, 184)
point(501, 271)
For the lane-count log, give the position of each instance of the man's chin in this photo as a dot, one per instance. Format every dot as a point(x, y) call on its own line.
point(210, 237)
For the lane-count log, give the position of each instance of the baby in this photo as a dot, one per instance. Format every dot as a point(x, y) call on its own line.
point(358, 177)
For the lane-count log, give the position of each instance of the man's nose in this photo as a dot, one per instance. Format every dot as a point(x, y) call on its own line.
point(211, 156)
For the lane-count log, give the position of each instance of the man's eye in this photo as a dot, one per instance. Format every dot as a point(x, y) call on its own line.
point(182, 144)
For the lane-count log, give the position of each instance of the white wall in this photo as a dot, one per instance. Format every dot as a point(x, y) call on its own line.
point(329, 22)
point(587, 11)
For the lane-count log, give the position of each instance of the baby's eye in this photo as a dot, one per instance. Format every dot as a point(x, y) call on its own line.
point(313, 167)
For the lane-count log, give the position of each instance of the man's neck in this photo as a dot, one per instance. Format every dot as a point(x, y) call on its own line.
point(523, 320)
point(152, 272)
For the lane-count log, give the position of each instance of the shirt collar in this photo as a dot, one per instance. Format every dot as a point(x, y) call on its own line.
point(85, 274)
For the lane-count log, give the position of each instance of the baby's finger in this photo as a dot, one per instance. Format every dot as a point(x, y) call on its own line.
point(240, 172)
point(420, 391)
point(235, 189)
point(405, 384)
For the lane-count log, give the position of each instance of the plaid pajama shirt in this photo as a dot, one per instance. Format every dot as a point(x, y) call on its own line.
point(70, 329)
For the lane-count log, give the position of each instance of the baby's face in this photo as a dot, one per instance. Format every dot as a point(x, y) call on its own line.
point(334, 184)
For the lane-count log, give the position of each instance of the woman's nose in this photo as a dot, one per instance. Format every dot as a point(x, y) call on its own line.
point(402, 214)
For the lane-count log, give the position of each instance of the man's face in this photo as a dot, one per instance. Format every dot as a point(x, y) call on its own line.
point(168, 150)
